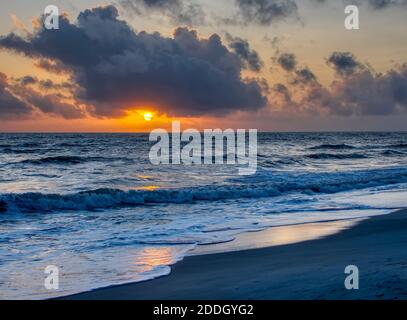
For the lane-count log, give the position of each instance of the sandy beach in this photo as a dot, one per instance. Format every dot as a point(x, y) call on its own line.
point(311, 269)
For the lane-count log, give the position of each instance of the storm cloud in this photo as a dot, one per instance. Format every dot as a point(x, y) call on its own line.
point(115, 69)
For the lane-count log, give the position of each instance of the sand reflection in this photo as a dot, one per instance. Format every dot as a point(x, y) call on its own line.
point(278, 236)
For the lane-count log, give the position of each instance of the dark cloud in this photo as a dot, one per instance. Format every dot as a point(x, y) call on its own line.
point(29, 100)
point(27, 80)
point(18, 99)
point(51, 66)
point(304, 76)
point(11, 107)
point(383, 4)
point(250, 58)
point(374, 4)
point(344, 63)
point(299, 76)
point(282, 90)
point(51, 104)
point(179, 11)
point(265, 12)
point(116, 69)
point(361, 92)
point(287, 61)
point(46, 84)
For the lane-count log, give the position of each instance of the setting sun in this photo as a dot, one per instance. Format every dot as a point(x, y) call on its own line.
point(148, 116)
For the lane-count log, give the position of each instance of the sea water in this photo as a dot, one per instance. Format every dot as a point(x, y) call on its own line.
point(94, 206)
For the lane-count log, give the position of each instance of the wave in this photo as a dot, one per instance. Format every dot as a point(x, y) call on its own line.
point(67, 160)
point(397, 146)
point(3, 206)
point(341, 146)
point(56, 159)
point(21, 145)
point(72, 144)
point(280, 163)
point(340, 156)
point(392, 153)
point(264, 184)
point(18, 151)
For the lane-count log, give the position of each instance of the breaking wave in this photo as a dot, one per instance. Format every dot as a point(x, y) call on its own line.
point(265, 184)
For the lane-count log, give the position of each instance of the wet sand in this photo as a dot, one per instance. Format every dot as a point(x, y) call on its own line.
point(311, 269)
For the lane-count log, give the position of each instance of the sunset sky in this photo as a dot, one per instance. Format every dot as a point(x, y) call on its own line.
point(273, 65)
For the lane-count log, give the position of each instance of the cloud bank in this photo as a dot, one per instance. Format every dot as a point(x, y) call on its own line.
point(114, 69)
point(358, 89)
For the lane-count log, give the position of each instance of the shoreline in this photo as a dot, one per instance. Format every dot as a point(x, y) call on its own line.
point(277, 235)
point(310, 269)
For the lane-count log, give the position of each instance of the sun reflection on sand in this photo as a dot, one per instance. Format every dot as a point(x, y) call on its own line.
point(277, 236)
point(151, 257)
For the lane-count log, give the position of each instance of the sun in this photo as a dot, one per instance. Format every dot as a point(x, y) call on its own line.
point(148, 116)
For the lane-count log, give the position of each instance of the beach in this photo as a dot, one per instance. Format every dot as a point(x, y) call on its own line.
point(310, 269)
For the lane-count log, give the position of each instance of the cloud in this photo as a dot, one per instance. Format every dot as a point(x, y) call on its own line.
point(364, 93)
point(304, 76)
point(287, 61)
point(344, 63)
point(179, 11)
point(19, 99)
point(299, 76)
point(115, 69)
point(359, 91)
point(367, 92)
point(373, 4)
point(383, 4)
point(52, 104)
point(283, 91)
point(27, 80)
point(46, 84)
point(265, 12)
point(11, 107)
point(261, 12)
point(18, 23)
point(51, 66)
point(250, 58)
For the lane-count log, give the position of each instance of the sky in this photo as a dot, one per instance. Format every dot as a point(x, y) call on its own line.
point(136, 65)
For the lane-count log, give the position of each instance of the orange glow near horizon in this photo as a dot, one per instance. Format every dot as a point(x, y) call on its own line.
point(133, 122)
point(145, 120)
point(148, 116)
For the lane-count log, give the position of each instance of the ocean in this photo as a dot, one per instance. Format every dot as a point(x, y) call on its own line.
point(94, 206)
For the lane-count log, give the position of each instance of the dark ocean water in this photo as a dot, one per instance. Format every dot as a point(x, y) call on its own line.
point(95, 206)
